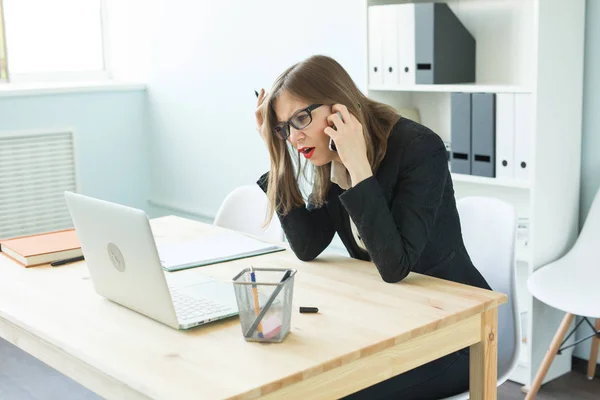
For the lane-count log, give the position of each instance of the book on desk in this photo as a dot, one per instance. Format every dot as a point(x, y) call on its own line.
point(43, 248)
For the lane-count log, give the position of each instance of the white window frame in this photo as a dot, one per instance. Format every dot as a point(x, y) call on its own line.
point(3, 42)
point(102, 75)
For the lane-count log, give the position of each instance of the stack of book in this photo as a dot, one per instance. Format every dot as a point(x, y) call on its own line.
point(42, 248)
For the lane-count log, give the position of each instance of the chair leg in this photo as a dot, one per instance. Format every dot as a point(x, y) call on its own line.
point(594, 352)
point(554, 346)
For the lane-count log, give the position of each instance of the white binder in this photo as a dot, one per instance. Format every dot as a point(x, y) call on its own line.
point(375, 32)
point(505, 135)
point(406, 43)
point(197, 252)
point(524, 124)
point(391, 66)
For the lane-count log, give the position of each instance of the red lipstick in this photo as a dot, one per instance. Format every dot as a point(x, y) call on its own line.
point(307, 152)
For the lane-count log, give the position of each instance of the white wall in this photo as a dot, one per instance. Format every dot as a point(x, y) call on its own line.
point(590, 152)
point(202, 61)
point(110, 142)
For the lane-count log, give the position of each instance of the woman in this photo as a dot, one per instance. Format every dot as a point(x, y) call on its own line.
point(380, 181)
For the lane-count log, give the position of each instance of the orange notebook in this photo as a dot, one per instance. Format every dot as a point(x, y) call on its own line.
point(42, 248)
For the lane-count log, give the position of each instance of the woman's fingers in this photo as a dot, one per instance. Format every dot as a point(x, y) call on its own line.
point(335, 119)
point(261, 97)
point(258, 113)
point(329, 131)
point(343, 110)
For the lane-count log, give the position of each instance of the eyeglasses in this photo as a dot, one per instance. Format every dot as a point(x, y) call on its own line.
point(300, 120)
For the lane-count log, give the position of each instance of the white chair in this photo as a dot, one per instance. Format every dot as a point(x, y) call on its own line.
point(489, 232)
point(581, 296)
point(244, 210)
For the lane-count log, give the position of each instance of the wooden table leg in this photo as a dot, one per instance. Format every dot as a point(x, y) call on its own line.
point(554, 346)
point(594, 353)
point(484, 359)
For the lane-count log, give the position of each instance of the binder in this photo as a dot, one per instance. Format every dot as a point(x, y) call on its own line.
point(444, 48)
point(505, 135)
point(375, 32)
point(460, 133)
point(483, 134)
point(406, 43)
point(390, 45)
point(523, 134)
point(424, 42)
point(226, 246)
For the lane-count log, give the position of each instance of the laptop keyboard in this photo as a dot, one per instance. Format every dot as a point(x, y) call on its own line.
point(187, 307)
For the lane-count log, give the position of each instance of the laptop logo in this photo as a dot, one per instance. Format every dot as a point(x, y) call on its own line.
point(116, 257)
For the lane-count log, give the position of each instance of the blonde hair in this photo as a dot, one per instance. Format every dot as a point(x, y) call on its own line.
point(322, 80)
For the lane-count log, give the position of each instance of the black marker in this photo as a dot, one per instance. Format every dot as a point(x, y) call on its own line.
point(310, 310)
point(286, 275)
point(66, 261)
point(256, 93)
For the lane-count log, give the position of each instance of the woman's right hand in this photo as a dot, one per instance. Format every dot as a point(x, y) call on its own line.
point(260, 111)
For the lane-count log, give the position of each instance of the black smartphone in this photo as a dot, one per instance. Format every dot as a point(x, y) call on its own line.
point(332, 145)
point(331, 142)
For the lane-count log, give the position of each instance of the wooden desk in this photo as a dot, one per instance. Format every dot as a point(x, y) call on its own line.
point(366, 331)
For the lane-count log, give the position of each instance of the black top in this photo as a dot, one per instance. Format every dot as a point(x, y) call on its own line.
point(405, 214)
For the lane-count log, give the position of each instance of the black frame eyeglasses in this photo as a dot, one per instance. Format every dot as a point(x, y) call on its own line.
point(300, 120)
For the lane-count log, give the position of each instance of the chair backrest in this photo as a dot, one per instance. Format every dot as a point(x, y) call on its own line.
point(489, 233)
point(244, 210)
point(586, 246)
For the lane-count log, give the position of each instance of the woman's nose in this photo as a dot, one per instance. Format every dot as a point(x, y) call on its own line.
point(295, 135)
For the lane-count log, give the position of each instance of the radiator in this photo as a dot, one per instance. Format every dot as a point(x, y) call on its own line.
point(35, 170)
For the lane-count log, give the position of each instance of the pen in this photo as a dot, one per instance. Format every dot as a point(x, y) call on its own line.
point(268, 304)
point(255, 92)
point(66, 261)
point(256, 302)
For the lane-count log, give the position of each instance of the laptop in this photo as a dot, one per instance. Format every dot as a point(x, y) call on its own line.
point(125, 267)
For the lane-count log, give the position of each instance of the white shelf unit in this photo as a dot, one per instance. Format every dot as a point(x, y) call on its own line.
point(522, 46)
point(466, 87)
point(509, 183)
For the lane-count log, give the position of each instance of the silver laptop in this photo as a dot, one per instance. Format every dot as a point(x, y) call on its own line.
point(125, 267)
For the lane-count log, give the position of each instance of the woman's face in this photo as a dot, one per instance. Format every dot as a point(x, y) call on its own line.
point(310, 140)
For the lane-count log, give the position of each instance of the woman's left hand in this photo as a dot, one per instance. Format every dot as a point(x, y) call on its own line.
point(350, 143)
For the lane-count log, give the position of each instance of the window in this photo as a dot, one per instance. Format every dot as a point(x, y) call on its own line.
point(54, 39)
point(3, 64)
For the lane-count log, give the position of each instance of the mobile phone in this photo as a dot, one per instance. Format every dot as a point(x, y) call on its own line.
point(332, 145)
point(331, 142)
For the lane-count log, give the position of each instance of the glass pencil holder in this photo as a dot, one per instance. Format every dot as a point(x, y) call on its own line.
point(264, 298)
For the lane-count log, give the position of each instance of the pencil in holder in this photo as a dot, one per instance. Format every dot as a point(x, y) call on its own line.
point(264, 298)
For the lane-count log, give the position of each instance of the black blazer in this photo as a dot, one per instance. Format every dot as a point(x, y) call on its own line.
point(405, 214)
